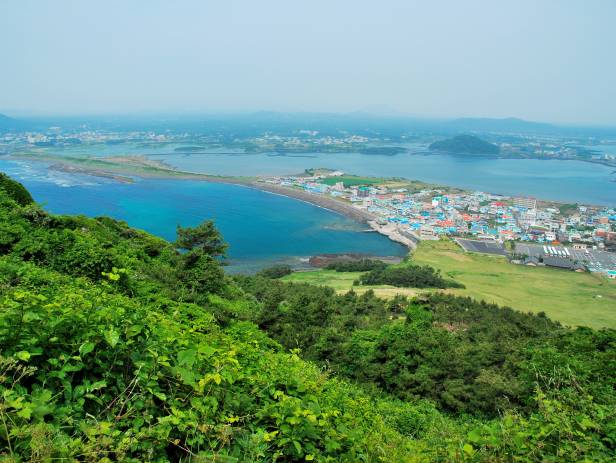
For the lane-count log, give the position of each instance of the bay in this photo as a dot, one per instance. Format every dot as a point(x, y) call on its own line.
point(261, 228)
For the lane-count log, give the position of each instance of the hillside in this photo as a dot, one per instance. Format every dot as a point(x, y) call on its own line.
point(118, 346)
point(507, 124)
point(464, 144)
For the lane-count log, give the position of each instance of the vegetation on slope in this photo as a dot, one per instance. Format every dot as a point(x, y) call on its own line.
point(118, 346)
point(15, 190)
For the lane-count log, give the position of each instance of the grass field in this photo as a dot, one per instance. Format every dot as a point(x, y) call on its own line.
point(351, 180)
point(569, 297)
point(572, 298)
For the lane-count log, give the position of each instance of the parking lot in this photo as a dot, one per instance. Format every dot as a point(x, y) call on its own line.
point(484, 247)
point(595, 260)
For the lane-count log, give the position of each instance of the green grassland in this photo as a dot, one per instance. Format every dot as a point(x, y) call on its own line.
point(569, 297)
point(351, 180)
point(392, 183)
point(572, 298)
point(343, 282)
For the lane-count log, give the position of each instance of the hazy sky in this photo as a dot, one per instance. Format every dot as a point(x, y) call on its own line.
point(536, 59)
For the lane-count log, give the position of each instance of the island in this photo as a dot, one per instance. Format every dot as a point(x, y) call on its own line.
point(465, 144)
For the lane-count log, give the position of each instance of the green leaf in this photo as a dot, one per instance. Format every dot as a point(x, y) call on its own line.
point(23, 355)
point(97, 385)
point(187, 357)
point(474, 436)
point(112, 337)
point(468, 449)
point(86, 348)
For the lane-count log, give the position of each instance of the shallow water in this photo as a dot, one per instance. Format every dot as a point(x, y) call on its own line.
point(261, 228)
point(568, 181)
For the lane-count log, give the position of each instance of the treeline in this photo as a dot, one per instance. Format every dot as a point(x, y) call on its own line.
point(355, 265)
point(408, 276)
point(118, 346)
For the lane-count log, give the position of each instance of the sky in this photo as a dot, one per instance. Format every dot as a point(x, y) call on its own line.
point(548, 60)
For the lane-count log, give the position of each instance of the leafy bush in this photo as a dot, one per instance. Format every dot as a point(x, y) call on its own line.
point(276, 271)
point(15, 190)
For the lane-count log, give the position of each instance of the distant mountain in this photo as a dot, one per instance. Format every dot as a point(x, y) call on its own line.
point(8, 123)
point(464, 144)
point(509, 124)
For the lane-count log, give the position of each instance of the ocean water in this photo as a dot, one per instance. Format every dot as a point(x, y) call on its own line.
point(261, 228)
point(567, 181)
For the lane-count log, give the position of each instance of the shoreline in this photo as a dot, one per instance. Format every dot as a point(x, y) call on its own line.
point(122, 173)
point(322, 201)
point(388, 230)
point(142, 167)
point(602, 162)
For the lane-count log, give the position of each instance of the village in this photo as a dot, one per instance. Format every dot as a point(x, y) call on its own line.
point(528, 230)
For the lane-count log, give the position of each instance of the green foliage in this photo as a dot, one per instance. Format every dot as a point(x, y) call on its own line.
point(360, 265)
point(114, 346)
point(276, 271)
point(465, 144)
point(407, 276)
point(15, 190)
point(203, 238)
point(468, 357)
point(104, 376)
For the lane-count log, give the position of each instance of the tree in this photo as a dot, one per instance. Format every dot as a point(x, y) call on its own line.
point(204, 239)
point(276, 271)
point(200, 272)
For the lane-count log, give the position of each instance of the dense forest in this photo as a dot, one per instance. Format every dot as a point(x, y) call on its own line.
point(116, 345)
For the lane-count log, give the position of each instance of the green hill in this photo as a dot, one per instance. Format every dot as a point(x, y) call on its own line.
point(464, 144)
point(118, 346)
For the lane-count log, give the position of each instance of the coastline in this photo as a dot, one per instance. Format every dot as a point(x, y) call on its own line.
point(389, 230)
point(334, 205)
point(325, 202)
point(126, 168)
point(144, 168)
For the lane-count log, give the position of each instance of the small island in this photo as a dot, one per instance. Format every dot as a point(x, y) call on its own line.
point(383, 150)
point(465, 144)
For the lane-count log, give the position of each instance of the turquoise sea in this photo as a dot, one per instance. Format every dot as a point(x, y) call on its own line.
point(261, 228)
